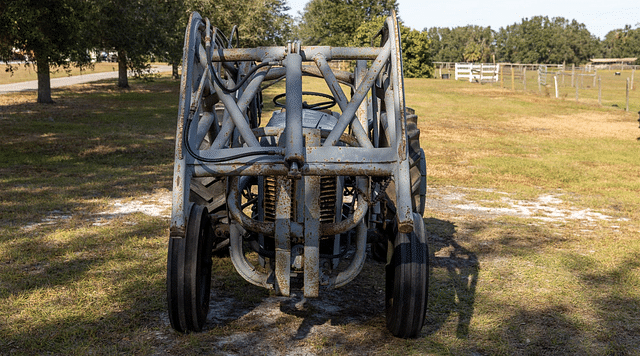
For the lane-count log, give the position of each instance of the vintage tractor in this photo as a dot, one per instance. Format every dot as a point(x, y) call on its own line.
point(297, 200)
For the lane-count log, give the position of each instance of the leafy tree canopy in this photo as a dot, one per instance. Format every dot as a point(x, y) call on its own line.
point(544, 40)
point(462, 44)
point(622, 43)
point(335, 22)
point(416, 57)
point(259, 22)
point(51, 32)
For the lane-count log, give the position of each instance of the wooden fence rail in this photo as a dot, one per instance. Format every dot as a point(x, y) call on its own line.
point(477, 72)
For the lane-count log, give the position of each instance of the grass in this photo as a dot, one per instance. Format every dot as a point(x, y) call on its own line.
point(67, 282)
point(499, 285)
point(612, 94)
point(559, 288)
point(515, 142)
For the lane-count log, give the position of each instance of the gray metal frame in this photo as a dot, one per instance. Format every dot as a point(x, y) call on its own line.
point(354, 147)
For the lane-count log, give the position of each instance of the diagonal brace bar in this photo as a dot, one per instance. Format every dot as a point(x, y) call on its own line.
point(349, 113)
point(341, 98)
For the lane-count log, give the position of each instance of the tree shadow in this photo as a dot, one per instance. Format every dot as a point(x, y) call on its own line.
point(85, 147)
point(548, 331)
point(612, 291)
point(453, 279)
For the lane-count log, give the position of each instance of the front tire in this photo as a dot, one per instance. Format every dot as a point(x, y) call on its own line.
point(189, 273)
point(407, 282)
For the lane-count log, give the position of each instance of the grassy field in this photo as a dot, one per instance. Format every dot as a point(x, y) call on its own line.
point(77, 277)
point(612, 94)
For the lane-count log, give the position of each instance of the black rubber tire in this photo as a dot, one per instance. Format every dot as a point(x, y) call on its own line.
point(189, 273)
point(407, 282)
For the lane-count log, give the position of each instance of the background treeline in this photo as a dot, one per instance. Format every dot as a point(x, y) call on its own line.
point(57, 33)
point(61, 33)
point(539, 39)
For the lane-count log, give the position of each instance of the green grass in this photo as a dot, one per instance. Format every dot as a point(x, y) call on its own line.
point(498, 285)
point(542, 288)
point(613, 92)
point(494, 137)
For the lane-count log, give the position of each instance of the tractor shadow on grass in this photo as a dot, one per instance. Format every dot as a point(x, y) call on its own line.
point(360, 305)
point(453, 279)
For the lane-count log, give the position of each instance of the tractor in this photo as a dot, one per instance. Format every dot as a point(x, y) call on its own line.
point(296, 199)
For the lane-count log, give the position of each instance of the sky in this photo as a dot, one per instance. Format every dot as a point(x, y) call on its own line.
point(599, 17)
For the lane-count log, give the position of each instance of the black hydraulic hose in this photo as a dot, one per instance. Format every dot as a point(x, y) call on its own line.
point(244, 80)
point(185, 141)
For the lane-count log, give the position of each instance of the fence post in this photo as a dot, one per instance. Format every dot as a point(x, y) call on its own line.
point(573, 73)
point(627, 106)
point(524, 78)
point(600, 91)
point(555, 80)
point(513, 79)
point(539, 82)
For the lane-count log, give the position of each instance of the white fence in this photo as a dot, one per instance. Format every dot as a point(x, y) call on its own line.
point(481, 72)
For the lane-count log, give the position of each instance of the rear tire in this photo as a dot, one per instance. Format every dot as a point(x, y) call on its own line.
point(189, 273)
point(407, 282)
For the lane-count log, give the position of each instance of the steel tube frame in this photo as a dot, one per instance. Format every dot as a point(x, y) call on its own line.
point(294, 150)
point(293, 158)
point(307, 53)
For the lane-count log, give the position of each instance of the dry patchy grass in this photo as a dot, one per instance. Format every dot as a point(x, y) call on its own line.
point(79, 275)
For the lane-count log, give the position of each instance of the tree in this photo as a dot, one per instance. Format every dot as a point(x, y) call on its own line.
point(543, 40)
point(53, 31)
point(259, 22)
point(135, 29)
point(462, 44)
point(170, 49)
point(415, 54)
point(335, 22)
point(416, 57)
point(622, 43)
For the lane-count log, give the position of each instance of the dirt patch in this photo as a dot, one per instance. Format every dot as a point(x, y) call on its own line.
point(546, 207)
point(157, 204)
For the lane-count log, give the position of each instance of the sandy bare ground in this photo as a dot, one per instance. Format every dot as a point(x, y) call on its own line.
point(453, 200)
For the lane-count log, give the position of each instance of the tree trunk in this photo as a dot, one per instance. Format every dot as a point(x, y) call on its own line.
point(123, 81)
point(174, 71)
point(44, 82)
